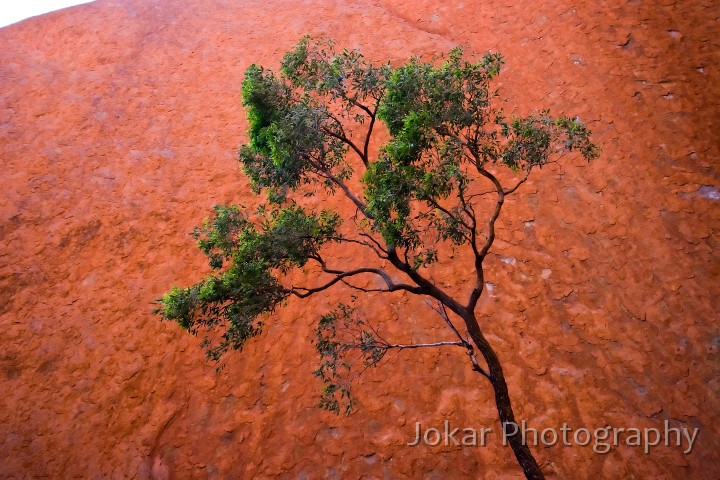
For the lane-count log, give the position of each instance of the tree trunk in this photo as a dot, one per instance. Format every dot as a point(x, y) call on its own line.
point(502, 401)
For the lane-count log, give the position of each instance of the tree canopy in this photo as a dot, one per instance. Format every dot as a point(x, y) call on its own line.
point(436, 185)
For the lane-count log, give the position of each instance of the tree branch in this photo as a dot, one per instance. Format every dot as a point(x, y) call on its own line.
point(467, 206)
point(403, 346)
point(496, 213)
point(426, 287)
point(470, 211)
point(476, 365)
point(482, 253)
point(346, 140)
point(341, 275)
point(433, 203)
point(523, 180)
point(370, 129)
point(463, 342)
point(302, 292)
point(354, 101)
point(323, 171)
point(370, 237)
point(360, 242)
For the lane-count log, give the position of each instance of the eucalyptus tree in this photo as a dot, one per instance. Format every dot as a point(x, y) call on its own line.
point(436, 186)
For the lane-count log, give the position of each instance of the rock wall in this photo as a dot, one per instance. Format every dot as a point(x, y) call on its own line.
point(118, 124)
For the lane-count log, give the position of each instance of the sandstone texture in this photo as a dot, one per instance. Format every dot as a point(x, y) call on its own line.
point(119, 122)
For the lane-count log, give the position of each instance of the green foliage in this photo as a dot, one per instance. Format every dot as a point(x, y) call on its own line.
point(444, 125)
point(417, 195)
point(339, 335)
point(455, 93)
point(233, 299)
point(297, 120)
point(343, 77)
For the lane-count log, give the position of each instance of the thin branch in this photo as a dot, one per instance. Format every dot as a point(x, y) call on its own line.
point(405, 255)
point(445, 316)
point(463, 342)
point(403, 346)
point(370, 129)
point(496, 213)
point(360, 242)
point(480, 194)
point(363, 289)
point(340, 275)
point(523, 180)
point(372, 239)
point(342, 91)
point(347, 141)
point(376, 332)
point(302, 292)
point(476, 365)
point(435, 204)
point(482, 253)
point(467, 207)
point(357, 104)
point(358, 203)
point(400, 346)
point(470, 211)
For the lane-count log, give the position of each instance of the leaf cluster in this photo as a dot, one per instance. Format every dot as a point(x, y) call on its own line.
point(247, 259)
point(340, 334)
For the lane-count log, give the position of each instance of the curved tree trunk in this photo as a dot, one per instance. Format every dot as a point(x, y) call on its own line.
point(502, 400)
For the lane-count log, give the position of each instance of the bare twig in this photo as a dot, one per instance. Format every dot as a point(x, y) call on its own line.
point(403, 346)
point(463, 342)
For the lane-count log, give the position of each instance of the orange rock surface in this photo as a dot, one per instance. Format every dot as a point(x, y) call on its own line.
point(119, 122)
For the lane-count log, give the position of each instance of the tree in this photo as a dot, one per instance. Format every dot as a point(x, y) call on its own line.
point(437, 185)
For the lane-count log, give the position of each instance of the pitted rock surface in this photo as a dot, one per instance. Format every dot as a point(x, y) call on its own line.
point(119, 122)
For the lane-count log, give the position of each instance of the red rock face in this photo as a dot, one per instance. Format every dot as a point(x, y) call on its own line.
point(119, 122)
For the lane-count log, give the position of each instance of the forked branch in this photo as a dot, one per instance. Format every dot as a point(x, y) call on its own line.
point(342, 275)
point(440, 310)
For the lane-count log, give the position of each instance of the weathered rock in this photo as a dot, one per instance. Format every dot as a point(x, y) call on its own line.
point(118, 126)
